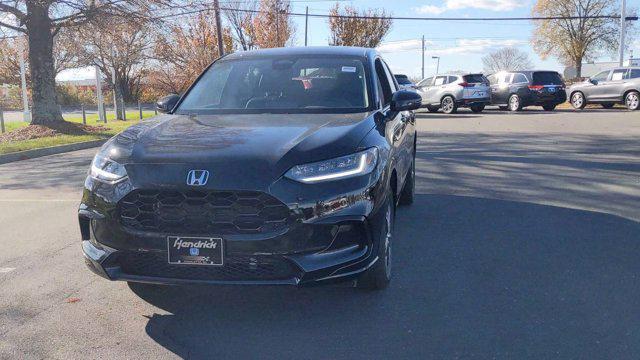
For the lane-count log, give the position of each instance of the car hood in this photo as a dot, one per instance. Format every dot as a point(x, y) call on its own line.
point(241, 151)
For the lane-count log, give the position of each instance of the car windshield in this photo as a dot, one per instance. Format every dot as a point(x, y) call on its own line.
point(546, 78)
point(280, 84)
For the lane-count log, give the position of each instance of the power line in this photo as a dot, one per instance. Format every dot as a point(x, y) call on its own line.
point(368, 17)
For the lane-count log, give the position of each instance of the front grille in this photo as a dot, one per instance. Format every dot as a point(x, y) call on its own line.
point(238, 268)
point(195, 212)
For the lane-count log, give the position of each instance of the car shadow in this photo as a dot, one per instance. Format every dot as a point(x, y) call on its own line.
point(473, 277)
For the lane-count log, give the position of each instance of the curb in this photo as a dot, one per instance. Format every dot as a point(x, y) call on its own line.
point(35, 153)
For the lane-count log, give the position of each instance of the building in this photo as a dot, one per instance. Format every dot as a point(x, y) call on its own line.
point(590, 69)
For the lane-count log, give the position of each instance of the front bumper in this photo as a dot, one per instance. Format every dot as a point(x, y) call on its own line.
point(329, 240)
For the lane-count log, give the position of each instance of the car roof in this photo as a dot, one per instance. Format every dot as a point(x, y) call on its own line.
point(306, 50)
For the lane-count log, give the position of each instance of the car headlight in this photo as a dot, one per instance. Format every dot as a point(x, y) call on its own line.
point(106, 170)
point(357, 164)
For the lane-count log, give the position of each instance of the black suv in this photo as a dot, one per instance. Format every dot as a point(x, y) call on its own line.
point(514, 90)
point(278, 166)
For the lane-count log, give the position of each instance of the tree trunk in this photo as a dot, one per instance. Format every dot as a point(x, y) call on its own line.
point(578, 65)
point(41, 64)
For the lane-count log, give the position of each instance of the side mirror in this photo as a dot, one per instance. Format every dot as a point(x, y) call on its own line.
point(405, 100)
point(594, 82)
point(167, 103)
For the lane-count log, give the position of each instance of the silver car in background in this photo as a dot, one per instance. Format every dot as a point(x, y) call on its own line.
point(449, 92)
point(607, 88)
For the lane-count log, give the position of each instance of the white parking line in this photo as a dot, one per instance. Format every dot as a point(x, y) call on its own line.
point(4, 270)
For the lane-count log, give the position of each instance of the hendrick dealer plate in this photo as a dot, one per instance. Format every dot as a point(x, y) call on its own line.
point(185, 250)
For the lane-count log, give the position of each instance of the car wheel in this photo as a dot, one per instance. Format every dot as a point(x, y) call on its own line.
point(632, 100)
point(514, 103)
point(406, 196)
point(448, 105)
point(577, 101)
point(432, 108)
point(477, 108)
point(607, 105)
point(378, 276)
point(549, 107)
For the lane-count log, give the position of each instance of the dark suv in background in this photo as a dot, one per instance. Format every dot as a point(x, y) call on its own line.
point(513, 90)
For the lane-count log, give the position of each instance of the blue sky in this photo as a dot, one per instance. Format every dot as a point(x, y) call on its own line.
point(460, 45)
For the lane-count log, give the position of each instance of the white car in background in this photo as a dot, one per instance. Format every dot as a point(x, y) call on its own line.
point(448, 92)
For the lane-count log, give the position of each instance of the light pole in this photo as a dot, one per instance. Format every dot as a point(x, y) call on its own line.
point(623, 24)
point(438, 64)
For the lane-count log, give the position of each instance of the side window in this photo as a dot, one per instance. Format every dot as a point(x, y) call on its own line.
point(618, 74)
point(440, 80)
point(392, 79)
point(503, 78)
point(633, 74)
point(602, 76)
point(383, 84)
point(452, 79)
point(519, 78)
point(425, 82)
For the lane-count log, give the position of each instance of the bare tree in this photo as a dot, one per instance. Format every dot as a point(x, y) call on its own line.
point(64, 56)
point(119, 44)
point(575, 40)
point(273, 24)
point(184, 51)
point(240, 16)
point(40, 21)
point(349, 30)
point(505, 59)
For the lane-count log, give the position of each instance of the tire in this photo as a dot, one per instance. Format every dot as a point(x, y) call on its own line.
point(607, 105)
point(448, 105)
point(514, 103)
point(549, 107)
point(632, 100)
point(578, 101)
point(477, 108)
point(432, 108)
point(408, 191)
point(378, 276)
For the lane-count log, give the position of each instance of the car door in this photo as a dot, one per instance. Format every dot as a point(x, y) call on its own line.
point(500, 89)
point(397, 123)
point(595, 91)
point(437, 90)
point(423, 86)
point(613, 88)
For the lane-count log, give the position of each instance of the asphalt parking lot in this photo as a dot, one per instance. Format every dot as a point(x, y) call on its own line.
point(523, 243)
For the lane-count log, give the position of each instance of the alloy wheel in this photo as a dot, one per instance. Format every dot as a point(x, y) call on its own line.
point(514, 103)
point(632, 101)
point(447, 104)
point(577, 100)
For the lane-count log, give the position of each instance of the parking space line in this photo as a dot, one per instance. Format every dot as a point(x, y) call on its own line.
point(4, 270)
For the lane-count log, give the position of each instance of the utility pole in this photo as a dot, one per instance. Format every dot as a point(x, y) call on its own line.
point(216, 7)
point(306, 24)
point(23, 80)
point(623, 24)
point(422, 57)
point(438, 65)
point(277, 27)
point(101, 114)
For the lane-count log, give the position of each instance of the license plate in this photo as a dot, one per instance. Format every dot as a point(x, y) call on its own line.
point(195, 250)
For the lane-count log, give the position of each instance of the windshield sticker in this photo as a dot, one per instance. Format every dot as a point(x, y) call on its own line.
point(350, 69)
